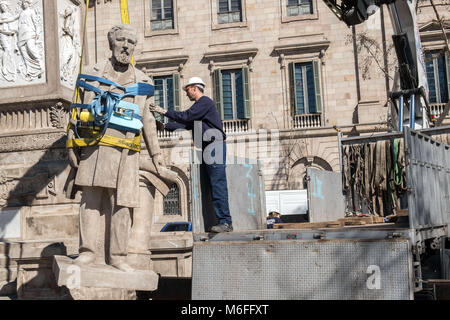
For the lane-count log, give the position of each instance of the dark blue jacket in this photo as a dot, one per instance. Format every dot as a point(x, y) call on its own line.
point(202, 110)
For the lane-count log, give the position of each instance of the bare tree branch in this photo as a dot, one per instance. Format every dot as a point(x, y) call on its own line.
point(441, 24)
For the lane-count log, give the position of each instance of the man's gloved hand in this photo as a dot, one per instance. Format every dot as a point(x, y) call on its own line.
point(157, 109)
point(159, 125)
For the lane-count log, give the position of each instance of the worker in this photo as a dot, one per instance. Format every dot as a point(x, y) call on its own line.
point(273, 218)
point(204, 112)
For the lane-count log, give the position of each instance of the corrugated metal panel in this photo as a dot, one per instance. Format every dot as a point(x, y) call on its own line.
point(325, 199)
point(428, 178)
point(291, 269)
point(245, 196)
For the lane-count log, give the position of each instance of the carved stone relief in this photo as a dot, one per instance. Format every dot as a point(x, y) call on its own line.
point(52, 116)
point(22, 53)
point(69, 16)
point(33, 142)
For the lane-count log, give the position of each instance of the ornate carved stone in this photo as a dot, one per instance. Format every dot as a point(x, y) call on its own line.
point(58, 116)
point(32, 142)
point(22, 43)
point(69, 41)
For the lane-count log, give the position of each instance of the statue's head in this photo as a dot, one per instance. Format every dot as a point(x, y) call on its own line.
point(26, 4)
point(3, 6)
point(122, 41)
point(68, 11)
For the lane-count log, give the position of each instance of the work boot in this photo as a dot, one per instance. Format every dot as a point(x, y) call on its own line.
point(85, 258)
point(223, 227)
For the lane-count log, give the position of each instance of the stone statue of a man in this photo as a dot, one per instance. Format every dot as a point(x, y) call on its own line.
point(108, 176)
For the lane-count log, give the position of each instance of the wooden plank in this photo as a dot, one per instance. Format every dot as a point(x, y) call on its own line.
point(308, 225)
point(402, 213)
point(350, 221)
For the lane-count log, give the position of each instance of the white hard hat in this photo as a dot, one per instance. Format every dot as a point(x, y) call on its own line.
point(194, 80)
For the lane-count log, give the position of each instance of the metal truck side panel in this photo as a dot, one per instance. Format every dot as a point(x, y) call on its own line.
point(428, 178)
point(292, 269)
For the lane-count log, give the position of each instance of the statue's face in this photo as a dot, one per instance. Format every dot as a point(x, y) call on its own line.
point(123, 46)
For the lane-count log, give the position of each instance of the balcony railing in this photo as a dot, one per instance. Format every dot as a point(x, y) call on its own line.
point(235, 126)
point(313, 120)
point(437, 109)
point(163, 134)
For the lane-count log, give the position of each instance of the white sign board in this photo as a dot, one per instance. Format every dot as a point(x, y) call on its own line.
point(287, 202)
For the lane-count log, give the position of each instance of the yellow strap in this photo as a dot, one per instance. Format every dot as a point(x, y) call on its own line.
point(125, 16)
point(76, 97)
point(132, 144)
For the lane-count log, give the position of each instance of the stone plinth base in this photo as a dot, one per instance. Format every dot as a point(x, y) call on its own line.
point(101, 281)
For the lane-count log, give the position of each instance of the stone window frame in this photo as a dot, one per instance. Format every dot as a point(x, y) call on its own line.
point(286, 19)
point(165, 66)
point(232, 59)
point(300, 53)
point(147, 24)
point(215, 25)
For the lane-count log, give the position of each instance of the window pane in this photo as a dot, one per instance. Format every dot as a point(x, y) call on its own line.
point(229, 11)
point(168, 9)
point(161, 14)
point(429, 66)
point(299, 89)
point(299, 7)
point(223, 18)
point(443, 87)
point(310, 87)
point(171, 202)
point(235, 5)
point(156, 4)
point(163, 94)
point(223, 6)
point(240, 112)
point(233, 95)
point(227, 92)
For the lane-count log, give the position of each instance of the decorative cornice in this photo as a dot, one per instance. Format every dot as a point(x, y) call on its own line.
point(162, 62)
point(299, 48)
point(245, 55)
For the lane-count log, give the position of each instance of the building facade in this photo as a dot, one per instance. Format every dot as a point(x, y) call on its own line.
point(284, 74)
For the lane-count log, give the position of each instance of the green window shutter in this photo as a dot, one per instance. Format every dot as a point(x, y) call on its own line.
point(246, 85)
point(317, 86)
point(176, 91)
point(447, 67)
point(293, 96)
point(218, 91)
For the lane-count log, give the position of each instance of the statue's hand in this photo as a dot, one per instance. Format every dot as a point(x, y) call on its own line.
point(158, 160)
point(155, 108)
point(72, 154)
point(73, 158)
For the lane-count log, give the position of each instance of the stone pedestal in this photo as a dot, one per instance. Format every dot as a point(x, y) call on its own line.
point(101, 281)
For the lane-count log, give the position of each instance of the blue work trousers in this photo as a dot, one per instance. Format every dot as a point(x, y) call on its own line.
point(219, 189)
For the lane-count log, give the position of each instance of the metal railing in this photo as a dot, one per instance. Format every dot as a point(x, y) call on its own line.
point(437, 109)
point(163, 134)
point(313, 120)
point(235, 126)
